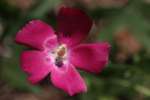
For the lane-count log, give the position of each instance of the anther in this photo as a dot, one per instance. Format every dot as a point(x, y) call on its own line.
point(59, 62)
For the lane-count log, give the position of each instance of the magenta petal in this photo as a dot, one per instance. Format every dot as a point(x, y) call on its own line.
point(90, 57)
point(69, 80)
point(73, 25)
point(36, 64)
point(35, 34)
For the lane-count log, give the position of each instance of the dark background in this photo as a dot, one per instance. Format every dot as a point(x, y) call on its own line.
point(124, 23)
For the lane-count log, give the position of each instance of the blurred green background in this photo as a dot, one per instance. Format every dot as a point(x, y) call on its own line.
point(124, 23)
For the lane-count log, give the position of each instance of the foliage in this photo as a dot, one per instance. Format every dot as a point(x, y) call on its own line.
point(128, 80)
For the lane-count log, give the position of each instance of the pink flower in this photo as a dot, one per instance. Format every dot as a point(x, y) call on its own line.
point(59, 52)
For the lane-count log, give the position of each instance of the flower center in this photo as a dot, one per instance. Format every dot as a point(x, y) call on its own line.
point(60, 55)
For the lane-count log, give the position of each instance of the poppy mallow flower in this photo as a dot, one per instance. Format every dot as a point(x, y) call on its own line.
point(59, 53)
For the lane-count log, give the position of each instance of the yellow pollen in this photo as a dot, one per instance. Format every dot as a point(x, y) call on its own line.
point(61, 51)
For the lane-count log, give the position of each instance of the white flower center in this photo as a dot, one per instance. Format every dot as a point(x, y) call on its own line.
point(60, 55)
